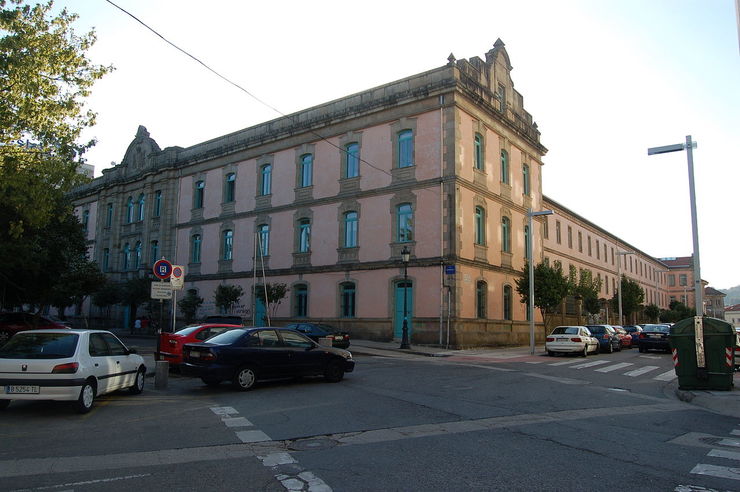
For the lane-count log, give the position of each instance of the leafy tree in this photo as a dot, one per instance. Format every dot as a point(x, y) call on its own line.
point(652, 312)
point(81, 279)
point(632, 297)
point(189, 305)
point(550, 288)
point(134, 292)
point(275, 295)
point(676, 312)
point(226, 296)
point(587, 288)
point(109, 294)
point(44, 77)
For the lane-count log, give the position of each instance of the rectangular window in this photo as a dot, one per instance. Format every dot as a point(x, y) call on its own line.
point(405, 148)
point(230, 188)
point(263, 236)
point(526, 180)
point(505, 167)
point(106, 259)
point(558, 237)
point(154, 252)
point(481, 291)
point(228, 245)
point(580, 242)
point(589, 245)
point(478, 152)
point(570, 237)
point(306, 170)
point(266, 179)
point(200, 193)
point(682, 279)
point(350, 230)
point(301, 301)
point(598, 250)
point(304, 236)
point(109, 216)
point(480, 226)
point(348, 300)
point(405, 224)
point(352, 156)
point(157, 203)
point(195, 243)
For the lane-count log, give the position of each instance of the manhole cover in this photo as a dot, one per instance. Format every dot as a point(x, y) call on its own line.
point(311, 444)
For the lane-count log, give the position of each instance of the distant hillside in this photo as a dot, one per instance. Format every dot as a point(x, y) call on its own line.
point(733, 295)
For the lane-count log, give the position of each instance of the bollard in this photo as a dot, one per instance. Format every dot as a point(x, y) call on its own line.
point(161, 373)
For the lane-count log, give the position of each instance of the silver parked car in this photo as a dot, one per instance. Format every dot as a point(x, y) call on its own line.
point(571, 339)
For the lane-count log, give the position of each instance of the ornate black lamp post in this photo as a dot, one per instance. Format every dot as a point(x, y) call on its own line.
point(405, 254)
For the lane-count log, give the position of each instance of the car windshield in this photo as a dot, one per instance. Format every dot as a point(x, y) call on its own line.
point(227, 337)
point(40, 346)
point(567, 330)
point(187, 330)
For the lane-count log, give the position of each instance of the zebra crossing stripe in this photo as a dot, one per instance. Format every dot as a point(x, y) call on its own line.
point(640, 371)
point(721, 453)
point(666, 376)
point(565, 362)
point(621, 365)
point(590, 364)
point(717, 471)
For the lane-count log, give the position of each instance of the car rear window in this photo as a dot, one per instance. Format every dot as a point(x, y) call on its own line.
point(657, 328)
point(568, 330)
point(40, 346)
point(187, 330)
point(227, 337)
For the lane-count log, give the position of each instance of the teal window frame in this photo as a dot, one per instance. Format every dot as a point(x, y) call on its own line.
point(230, 188)
point(508, 298)
point(479, 162)
point(200, 194)
point(506, 235)
point(505, 178)
point(157, 203)
point(263, 237)
point(304, 235)
point(300, 292)
point(352, 156)
point(348, 297)
point(350, 229)
point(306, 170)
point(266, 179)
point(196, 243)
point(405, 148)
point(404, 223)
point(480, 226)
point(228, 245)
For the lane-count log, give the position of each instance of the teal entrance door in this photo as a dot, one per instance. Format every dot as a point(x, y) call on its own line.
point(260, 318)
point(398, 314)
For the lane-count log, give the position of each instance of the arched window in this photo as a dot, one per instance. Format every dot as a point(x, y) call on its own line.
point(508, 299)
point(140, 215)
point(350, 229)
point(195, 246)
point(129, 210)
point(526, 180)
point(405, 148)
point(481, 296)
point(352, 168)
point(228, 244)
point(347, 293)
point(300, 300)
point(200, 194)
point(405, 223)
point(478, 152)
point(504, 167)
point(263, 236)
point(480, 226)
point(304, 235)
point(506, 235)
point(230, 188)
point(306, 170)
point(266, 179)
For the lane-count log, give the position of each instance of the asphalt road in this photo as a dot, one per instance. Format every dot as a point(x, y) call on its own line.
point(399, 422)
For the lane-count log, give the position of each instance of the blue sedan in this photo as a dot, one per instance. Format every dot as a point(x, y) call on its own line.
point(607, 336)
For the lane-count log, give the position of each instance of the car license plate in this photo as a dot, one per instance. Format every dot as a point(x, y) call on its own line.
point(21, 389)
point(194, 355)
point(656, 336)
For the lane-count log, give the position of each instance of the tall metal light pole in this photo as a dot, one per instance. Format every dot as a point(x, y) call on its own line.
point(619, 285)
point(530, 263)
point(405, 254)
point(688, 147)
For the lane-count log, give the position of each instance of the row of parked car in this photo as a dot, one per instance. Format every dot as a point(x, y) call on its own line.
point(79, 365)
point(592, 339)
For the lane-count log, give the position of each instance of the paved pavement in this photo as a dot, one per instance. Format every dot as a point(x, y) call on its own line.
point(724, 402)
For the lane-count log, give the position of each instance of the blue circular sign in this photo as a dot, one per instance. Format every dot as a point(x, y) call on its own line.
point(162, 269)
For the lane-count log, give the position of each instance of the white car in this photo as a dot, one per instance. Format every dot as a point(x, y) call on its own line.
point(67, 365)
point(571, 339)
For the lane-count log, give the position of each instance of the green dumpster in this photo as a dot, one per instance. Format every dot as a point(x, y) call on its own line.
point(713, 369)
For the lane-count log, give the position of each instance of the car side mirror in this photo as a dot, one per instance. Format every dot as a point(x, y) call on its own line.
point(132, 351)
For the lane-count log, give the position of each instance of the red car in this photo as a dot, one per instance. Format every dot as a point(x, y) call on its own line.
point(170, 344)
point(13, 322)
point(625, 338)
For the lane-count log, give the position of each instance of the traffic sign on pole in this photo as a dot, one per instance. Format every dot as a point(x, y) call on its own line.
point(162, 269)
point(161, 290)
point(177, 278)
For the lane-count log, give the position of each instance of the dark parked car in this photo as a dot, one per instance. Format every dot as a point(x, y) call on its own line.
point(247, 355)
point(13, 322)
point(607, 336)
point(654, 337)
point(315, 331)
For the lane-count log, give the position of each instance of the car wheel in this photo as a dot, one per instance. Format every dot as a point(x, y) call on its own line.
point(334, 372)
point(584, 353)
point(87, 397)
point(138, 385)
point(244, 378)
point(4, 337)
point(211, 382)
point(551, 353)
point(4, 404)
point(611, 348)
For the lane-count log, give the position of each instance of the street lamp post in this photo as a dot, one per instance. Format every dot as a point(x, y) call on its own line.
point(405, 254)
point(688, 147)
point(619, 285)
point(530, 254)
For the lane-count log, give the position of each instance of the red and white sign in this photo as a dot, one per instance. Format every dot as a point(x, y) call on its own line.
point(177, 278)
point(162, 269)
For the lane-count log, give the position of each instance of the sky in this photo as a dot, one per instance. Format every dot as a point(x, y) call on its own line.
point(604, 80)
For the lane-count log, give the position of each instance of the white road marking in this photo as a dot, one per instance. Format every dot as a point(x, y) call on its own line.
point(253, 436)
point(735, 432)
point(729, 442)
point(614, 367)
point(721, 453)
point(590, 364)
point(565, 362)
point(534, 362)
point(88, 482)
point(236, 422)
point(666, 376)
point(717, 471)
point(640, 371)
point(223, 410)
